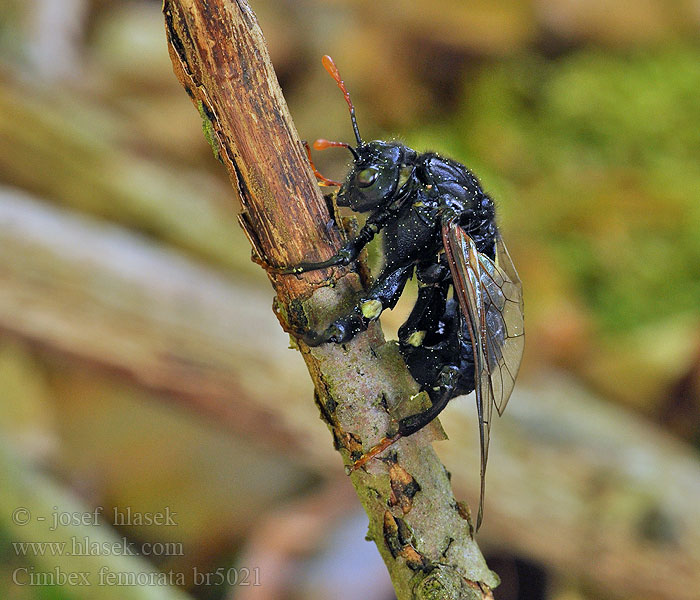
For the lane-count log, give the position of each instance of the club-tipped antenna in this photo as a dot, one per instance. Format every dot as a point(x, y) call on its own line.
point(322, 144)
point(329, 65)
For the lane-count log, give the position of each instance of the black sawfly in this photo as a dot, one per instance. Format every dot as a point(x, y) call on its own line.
point(439, 224)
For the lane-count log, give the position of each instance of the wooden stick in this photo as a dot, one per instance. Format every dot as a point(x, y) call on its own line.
point(220, 57)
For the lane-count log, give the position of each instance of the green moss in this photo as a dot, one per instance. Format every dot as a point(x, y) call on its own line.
point(208, 129)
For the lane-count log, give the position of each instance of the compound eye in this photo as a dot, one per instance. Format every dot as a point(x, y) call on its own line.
point(367, 176)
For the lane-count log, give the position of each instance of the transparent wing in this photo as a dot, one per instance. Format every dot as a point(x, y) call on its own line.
point(502, 295)
point(491, 299)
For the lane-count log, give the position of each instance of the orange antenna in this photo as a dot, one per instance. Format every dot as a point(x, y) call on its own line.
point(321, 178)
point(329, 65)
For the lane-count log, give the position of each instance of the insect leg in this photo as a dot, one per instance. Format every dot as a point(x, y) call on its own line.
point(424, 320)
point(440, 396)
point(383, 294)
point(347, 254)
point(430, 345)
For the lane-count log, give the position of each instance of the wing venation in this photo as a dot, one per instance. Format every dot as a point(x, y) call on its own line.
point(490, 296)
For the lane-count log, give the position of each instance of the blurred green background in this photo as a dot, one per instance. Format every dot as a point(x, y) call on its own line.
point(143, 372)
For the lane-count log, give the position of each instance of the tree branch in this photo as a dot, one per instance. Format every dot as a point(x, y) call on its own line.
point(421, 531)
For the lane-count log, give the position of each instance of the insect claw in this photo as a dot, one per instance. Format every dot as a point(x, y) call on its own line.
point(312, 338)
point(275, 269)
point(383, 444)
point(259, 260)
point(270, 268)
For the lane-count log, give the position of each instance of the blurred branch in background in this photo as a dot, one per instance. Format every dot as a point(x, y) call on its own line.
point(590, 488)
point(566, 466)
point(112, 298)
point(284, 543)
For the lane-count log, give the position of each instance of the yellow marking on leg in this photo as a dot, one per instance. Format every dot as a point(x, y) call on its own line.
point(371, 309)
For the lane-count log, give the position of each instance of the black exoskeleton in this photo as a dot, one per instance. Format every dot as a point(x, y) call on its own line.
point(410, 197)
point(439, 224)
